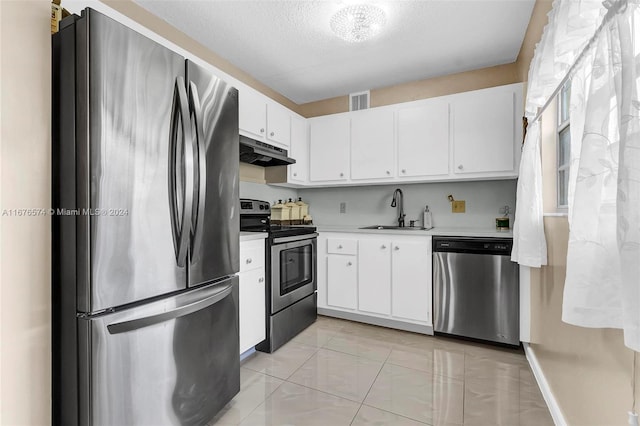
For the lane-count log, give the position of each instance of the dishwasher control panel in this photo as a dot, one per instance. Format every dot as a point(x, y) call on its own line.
point(495, 246)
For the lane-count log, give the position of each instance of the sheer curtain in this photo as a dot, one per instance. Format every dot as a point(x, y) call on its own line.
point(529, 243)
point(602, 287)
point(571, 25)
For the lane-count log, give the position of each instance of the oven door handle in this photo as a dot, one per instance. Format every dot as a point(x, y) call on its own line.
point(294, 238)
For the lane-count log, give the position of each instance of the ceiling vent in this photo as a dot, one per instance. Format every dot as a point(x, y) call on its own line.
point(358, 101)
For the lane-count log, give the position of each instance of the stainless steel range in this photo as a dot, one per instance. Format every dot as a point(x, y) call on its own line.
point(291, 261)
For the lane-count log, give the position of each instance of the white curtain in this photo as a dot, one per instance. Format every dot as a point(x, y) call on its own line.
point(602, 287)
point(592, 295)
point(628, 197)
point(571, 25)
point(529, 243)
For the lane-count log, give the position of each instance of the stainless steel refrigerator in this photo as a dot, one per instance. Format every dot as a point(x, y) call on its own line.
point(145, 231)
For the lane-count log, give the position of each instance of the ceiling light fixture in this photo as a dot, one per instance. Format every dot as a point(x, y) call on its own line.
point(358, 23)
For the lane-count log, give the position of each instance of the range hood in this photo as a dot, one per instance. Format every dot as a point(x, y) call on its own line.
point(262, 154)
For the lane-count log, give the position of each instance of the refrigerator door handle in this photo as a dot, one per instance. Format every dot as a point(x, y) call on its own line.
point(181, 188)
point(179, 311)
point(201, 170)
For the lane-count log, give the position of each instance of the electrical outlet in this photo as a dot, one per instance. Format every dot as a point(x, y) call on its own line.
point(343, 207)
point(458, 206)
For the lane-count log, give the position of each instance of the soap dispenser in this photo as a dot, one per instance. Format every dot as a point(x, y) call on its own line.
point(427, 220)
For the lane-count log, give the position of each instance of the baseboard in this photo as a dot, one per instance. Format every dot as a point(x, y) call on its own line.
point(550, 399)
point(383, 322)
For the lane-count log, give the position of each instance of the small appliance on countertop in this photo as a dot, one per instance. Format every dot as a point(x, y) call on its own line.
point(291, 263)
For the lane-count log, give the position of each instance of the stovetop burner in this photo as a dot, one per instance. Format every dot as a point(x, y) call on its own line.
point(255, 217)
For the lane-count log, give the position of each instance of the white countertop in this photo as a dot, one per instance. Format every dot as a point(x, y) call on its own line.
point(449, 232)
point(248, 236)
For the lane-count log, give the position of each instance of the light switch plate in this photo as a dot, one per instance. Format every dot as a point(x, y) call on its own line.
point(458, 206)
point(343, 207)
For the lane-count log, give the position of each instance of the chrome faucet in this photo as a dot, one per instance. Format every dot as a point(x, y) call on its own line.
point(398, 201)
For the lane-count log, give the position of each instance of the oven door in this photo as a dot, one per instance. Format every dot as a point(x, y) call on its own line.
point(293, 270)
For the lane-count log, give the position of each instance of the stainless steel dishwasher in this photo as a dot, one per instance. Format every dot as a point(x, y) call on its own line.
point(476, 289)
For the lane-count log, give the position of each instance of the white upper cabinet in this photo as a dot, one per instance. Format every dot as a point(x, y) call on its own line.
point(486, 131)
point(329, 148)
point(299, 172)
point(423, 140)
point(372, 147)
point(253, 112)
point(263, 119)
point(278, 124)
point(465, 136)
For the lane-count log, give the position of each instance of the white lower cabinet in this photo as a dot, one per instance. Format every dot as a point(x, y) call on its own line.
point(374, 276)
point(342, 280)
point(412, 278)
point(252, 294)
point(384, 277)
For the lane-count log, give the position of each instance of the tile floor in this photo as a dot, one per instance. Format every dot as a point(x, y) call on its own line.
point(345, 373)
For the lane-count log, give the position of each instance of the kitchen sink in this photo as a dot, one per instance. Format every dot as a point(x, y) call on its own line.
point(396, 228)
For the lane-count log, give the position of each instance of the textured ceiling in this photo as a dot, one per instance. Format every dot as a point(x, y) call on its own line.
point(288, 45)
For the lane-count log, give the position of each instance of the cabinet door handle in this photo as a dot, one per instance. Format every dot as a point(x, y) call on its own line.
point(388, 172)
point(349, 263)
point(340, 246)
point(295, 174)
point(460, 167)
point(397, 248)
point(249, 260)
point(341, 174)
point(404, 171)
point(383, 246)
point(261, 130)
point(261, 279)
point(272, 133)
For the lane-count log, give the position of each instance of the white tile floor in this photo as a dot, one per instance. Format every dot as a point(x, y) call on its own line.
point(345, 373)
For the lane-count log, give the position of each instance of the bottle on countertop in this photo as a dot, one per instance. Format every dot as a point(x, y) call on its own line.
point(427, 219)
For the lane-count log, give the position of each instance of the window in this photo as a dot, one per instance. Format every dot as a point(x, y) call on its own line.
point(564, 146)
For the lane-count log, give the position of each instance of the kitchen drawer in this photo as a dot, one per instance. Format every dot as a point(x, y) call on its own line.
point(342, 246)
point(251, 255)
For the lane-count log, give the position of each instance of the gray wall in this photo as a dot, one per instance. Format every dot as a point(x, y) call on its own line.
point(370, 205)
point(259, 191)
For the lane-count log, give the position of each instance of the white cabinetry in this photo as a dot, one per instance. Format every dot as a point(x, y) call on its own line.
point(342, 281)
point(252, 294)
point(423, 140)
point(263, 119)
point(329, 148)
point(384, 279)
point(412, 279)
point(374, 276)
point(372, 147)
point(299, 172)
point(278, 124)
point(342, 273)
point(484, 131)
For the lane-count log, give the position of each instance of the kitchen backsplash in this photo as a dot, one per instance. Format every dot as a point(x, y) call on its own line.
point(371, 205)
point(258, 191)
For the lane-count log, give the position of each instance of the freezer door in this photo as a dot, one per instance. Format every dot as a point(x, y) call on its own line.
point(169, 362)
point(127, 94)
point(215, 224)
